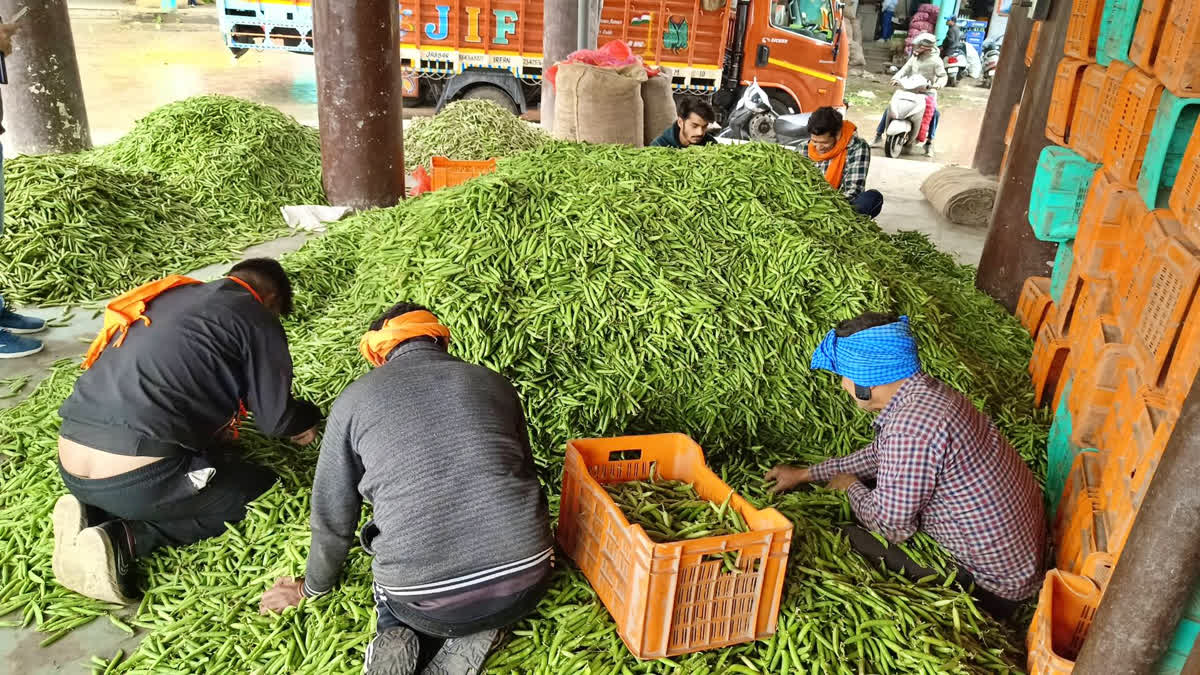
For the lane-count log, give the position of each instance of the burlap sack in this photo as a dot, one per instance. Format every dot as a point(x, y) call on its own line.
point(597, 105)
point(658, 105)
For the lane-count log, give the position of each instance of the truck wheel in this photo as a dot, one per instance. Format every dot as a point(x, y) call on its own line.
point(894, 143)
point(781, 102)
point(487, 92)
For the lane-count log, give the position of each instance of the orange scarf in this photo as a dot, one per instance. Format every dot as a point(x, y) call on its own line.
point(377, 344)
point(126, 310)
point(130, 308)
point(836, 155)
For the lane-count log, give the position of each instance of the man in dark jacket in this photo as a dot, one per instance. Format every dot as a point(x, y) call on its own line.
point(145, 442)
point(691, 128)
point(461, 531)
point(954, 36)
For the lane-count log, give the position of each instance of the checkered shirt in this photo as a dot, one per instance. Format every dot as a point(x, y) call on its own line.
point(941, 466)
point(858, 161)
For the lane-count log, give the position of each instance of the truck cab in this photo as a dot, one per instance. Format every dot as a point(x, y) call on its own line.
point(795, 49)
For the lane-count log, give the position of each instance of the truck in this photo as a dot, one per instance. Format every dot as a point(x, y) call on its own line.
point(796, 50)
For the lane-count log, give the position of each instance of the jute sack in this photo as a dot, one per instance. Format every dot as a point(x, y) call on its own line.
point(658, 105)
point(597, 105)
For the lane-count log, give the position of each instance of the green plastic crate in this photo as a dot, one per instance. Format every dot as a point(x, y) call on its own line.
point(1117, 26)
point(1060, 453)
point(1060, 186)
point(1062, 270)
point(1173, 126)
point(1183, 639)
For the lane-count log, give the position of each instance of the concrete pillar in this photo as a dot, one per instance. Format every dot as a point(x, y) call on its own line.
point(1159, 565)
point(43, 101)
point(357, 51)
point(1007, 86)
point(560, 34)
point(1011, 253)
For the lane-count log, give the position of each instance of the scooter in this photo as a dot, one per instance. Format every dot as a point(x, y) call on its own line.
point(754, 119)
point(956, 64)
point(991, 59)
point(905, 111)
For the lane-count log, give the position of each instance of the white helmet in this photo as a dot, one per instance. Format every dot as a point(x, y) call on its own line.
point(926, 39)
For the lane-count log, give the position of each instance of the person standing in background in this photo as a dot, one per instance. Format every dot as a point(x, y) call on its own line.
point(887, 10)
point(13, 326)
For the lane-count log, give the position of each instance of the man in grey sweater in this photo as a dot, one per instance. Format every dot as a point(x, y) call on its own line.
point(461, 535)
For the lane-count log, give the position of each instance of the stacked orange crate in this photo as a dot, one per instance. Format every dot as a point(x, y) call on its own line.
point(1129, 316)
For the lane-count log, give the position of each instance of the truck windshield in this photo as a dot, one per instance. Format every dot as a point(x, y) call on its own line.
point(810, 18)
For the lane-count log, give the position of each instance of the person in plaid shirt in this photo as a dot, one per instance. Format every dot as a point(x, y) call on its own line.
point(843, 157)
point(938, 465)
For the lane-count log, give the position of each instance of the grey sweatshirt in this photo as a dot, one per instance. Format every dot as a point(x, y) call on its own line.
point(440, 450)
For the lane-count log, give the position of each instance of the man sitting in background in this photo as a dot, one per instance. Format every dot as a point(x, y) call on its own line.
point(461, 529)
point(843, 157)
point(691, 128)
point(939, 465)
point(146, 442)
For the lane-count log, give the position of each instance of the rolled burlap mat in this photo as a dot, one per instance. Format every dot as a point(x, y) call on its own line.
point(960, 194)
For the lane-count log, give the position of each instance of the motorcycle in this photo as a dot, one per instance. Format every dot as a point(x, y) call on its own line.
point(956, 64)
point(991, 59)
point(905, 111)
point(754, 119)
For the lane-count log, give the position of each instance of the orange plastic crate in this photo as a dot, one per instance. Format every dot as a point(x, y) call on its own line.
point(670, 598)
point(1083, 121)
point(1184, 364)
point(1067, 310)
point(1066, 606)
point(1098, 567)
point(1177, 63)
point(1034, 304)
point(1098, 363)
point(1079, 527)
point(1185, 195)
point(1034, 33)
point(1160, 296)
point(1062, 99)
point(1091, 137)
point(451, 172)
point(1050, 353)
point(1143, 51)
point(1110, 216)
point(1083, 30)
point(1130, 126)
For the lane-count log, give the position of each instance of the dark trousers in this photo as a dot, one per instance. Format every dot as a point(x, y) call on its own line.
point(897, 560)
point(434, 627)
point(161, 505)
point(885, 24)
point(868, 203)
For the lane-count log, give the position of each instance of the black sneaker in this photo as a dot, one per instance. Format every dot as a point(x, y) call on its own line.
point(104, 563)
point(464, 655)
point(394, 651)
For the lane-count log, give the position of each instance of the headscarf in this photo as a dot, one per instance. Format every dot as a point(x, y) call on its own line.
point(836, 155)
point(870, 357)
point(377, 344)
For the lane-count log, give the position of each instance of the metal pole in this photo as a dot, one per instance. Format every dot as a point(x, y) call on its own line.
point(1007, 85)
point(1011, 253)
point(44, 97)
point(1159, 565)
point(359, 105)
point(560, 33)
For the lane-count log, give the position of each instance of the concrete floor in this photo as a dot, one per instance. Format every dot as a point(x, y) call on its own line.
point(128, 69)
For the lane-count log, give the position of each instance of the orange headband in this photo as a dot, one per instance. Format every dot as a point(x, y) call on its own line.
point(377, 344)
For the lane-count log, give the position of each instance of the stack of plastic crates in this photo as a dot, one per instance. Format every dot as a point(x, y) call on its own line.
point(1117, 340)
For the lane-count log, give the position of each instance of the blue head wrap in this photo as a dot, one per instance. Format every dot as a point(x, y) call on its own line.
point(870, 357)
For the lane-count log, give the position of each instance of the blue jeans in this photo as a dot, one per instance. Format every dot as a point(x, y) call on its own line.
point(932, 125)
point(868, 203)
point(885, 29)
